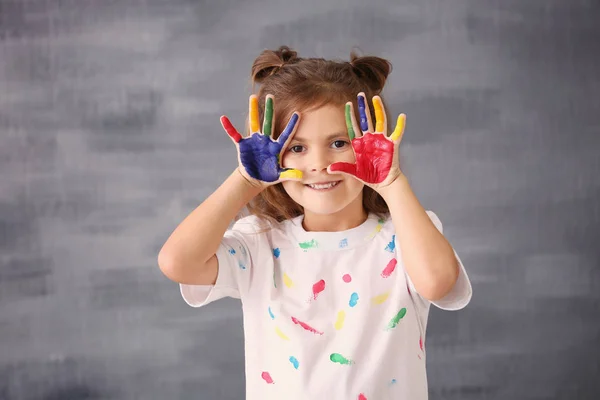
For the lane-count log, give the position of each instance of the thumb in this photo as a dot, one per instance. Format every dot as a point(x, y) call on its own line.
point(344, 167)
point(290, 174)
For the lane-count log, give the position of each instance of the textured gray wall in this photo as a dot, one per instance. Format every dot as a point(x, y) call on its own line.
point(109, 136)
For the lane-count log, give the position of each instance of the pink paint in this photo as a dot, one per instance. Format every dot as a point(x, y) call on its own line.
point(387, 271)
point(362, 397)
point(421, 343)
point(318, 288)
point(347, 278)
point(306, 326)
point(267, 378)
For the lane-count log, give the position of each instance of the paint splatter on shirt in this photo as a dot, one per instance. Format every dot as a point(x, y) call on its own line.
point(294, 343)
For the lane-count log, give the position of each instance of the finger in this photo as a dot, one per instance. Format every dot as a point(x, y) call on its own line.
point(268, 120)
point(290, 174)
point(253, 114)
point(399, 130)
point(351, 124)
point(289, 129)
point(380, 118)
point(344, 167)
point(231, 131)
point(366, 124)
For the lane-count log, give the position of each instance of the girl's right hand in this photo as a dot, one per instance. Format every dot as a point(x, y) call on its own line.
point(258, 155)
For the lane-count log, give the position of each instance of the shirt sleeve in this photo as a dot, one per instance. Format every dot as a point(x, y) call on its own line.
point(460, 294)
point(235, 255)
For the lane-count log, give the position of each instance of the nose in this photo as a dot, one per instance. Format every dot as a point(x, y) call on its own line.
point(319, 161)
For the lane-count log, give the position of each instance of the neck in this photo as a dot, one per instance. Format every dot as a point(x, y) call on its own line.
point(350, 217)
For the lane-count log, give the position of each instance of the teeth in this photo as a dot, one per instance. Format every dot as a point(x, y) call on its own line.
point(324, 186)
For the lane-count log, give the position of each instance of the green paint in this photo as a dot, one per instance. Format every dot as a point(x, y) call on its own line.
point(267, 126)
point(309, 245)
point(349, 122)
point(397, 318)
point(340, 359)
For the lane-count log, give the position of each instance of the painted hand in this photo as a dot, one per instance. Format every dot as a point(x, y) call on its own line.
point(258, 154)
point(376, 153)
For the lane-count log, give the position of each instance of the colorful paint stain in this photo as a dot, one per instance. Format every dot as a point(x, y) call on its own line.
point(380, 298)
point(231, 251)
point(362, 397)
point(353, 299)
point(287, 281)
point(339, 323)
point(276, 252)
point(391, 245)
point(241, 265)
point(421, 343)
point(281, 334)
point(306, 327)
point(394, 321)
point(347, 278)
point(294, 362)
point(389, 268)
point(308, 245)
point(271, 314)
point(340, 359)
point(377, 229)
point(393, 381)
point(318, 288)
point(267, 377)
point(343, 243)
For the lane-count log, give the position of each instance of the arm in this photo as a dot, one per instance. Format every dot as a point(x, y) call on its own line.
point(188, 256)
point(427, 256)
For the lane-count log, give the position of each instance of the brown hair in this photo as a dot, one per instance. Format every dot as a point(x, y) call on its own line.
point(304, 84)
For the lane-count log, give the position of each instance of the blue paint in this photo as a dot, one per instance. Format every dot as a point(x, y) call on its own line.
point(271, 313)
point(393, 381)
point(294, 362)
point(231, 251)
point(364, 122)
point(276, 252)
point(259, 154)
point(391, 245)
point(343, 243)
point(353, 299)
point(241, 265)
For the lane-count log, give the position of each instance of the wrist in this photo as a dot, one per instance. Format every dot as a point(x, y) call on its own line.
point(250, 184)
point(397, 186)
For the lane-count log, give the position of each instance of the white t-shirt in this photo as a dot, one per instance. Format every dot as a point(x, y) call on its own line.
point(327, 315)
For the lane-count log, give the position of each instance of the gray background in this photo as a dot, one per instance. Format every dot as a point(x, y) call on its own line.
point(109, 136)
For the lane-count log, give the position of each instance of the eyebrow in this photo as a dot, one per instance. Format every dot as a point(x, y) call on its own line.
point(326, 139)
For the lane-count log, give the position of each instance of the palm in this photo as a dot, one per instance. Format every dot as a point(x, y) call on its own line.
point(259, 155)
point(374, 155)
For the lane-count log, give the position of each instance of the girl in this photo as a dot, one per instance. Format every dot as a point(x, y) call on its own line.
point(338, 263)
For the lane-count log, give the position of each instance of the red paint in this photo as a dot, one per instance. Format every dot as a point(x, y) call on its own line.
point(318, 288)
point(387, 271)
point(306, 326)
point(267, 377)
point(347, 278)
point(421, 343)
point(362, 397)
point(374, 155)
point(231, 131)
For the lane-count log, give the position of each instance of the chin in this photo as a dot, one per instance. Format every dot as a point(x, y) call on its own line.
point(324, 203)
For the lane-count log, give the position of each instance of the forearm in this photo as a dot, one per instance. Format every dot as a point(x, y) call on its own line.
point(427, 256)
point(198, 236)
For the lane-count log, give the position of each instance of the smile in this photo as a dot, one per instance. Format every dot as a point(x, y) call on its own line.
point(323, 186)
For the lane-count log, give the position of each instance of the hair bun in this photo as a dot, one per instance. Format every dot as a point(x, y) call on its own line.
point(373, 71)
point(271, 61)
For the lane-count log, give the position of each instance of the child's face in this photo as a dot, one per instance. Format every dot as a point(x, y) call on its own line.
point(320, 140)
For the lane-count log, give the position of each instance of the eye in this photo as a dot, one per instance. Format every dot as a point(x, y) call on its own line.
point(295, 149)
point(338, 144)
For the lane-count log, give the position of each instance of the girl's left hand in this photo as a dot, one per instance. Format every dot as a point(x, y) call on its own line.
point(376, 153)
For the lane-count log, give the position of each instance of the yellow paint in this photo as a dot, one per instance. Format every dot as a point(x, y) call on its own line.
point(287, 280)
point(379, 115)
point(339, 323)
point(399, 130)
point(281, 334)
point(291, 174)
point(377, 229)
point(254, 124)
point(380, 298)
